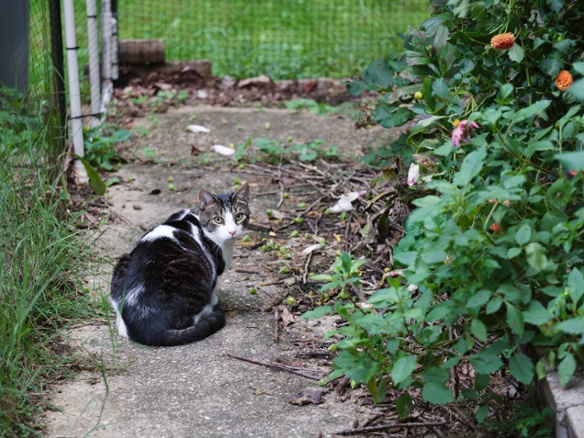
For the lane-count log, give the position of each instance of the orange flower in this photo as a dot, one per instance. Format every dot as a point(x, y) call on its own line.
point(495, 228)
point(564, 80)
point(503, 41)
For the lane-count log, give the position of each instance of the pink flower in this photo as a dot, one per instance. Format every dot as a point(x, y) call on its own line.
point(462, 132)
point(413, 174)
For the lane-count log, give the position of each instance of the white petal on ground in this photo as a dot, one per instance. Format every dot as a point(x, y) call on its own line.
point(198, 129)
point(342, 205)
point(310, 249)
point(223, 150)
point(345, 202)
point(365, 306)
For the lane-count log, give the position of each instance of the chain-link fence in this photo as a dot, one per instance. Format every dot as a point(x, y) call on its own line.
point(31, 56)
point(241, 38)
point(35, 61)
point(279, 38)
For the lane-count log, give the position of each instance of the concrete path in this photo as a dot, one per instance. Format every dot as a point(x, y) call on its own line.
point(197, 390)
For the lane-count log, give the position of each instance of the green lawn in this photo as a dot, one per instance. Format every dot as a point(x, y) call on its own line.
point(283, 39)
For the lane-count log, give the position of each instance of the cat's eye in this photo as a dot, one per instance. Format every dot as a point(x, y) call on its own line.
point(218, 220)
point(239, 216)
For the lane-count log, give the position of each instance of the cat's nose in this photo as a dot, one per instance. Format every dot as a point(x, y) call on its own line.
point(233, 232)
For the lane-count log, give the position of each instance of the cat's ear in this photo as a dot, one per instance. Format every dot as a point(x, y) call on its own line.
point(205, 199)
point(241, 194)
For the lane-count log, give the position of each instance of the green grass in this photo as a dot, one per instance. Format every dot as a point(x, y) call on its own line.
point(283, 39)
point(40, 264)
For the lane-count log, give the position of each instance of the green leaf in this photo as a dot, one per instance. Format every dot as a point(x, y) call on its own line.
point(428, 95)
point(522, 368)
point(356, 88)
point(377, 388)
point(405, 259)
point(95, 180)
point(491, 115)
point(577, 89)
point(556, 5)
point(523, 235)
point(506, 90)
point(513, 252)
point(480, 298)
point(440, 88)
point(576, 285)
point(516, 53)
point(571, 160)
point(404, 404)
point(424, 123)
point(530, 111)
point(478, 329)
point(538, 146)
point(566, 369)
point(515, 319)
point(481, 414)
point(536, 256)
point(536, 314)
point(572, 326)
point(392, 118)
point(514, 181)
point(437, 313)
point(379, 73)
point(471, 167)
point(579, 67)
point(437, 393)
point(435, 374)
point(560, 192)
point(552, 65)
point(486, 362)
point(384, 296)
point(494, 305)
point(426, 201)
point(402, 368)
point(318, 312)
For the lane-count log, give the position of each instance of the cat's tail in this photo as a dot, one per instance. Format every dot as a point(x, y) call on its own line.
point(200, 330)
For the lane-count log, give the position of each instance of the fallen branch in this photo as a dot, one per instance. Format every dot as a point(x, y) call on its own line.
point(389, 426)
point(279, 367)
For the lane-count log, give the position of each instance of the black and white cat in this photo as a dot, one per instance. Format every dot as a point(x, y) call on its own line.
point(163, 291)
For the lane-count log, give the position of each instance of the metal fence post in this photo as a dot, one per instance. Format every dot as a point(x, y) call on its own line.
point(58, 72)
point(14, 44)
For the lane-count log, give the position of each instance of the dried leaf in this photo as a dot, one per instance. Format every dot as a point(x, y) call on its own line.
point(286, 315)
point(308, 396)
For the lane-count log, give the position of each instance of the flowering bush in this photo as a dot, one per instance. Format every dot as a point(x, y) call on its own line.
point(492, 259)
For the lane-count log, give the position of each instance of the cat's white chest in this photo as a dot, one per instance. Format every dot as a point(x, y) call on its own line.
point(228, 253)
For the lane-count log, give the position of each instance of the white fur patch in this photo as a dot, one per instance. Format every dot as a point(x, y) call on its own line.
point(131, 296)
point(203, 314)
point(182, 214)
point(120, 324)
point(227, 251)
point(159, 232)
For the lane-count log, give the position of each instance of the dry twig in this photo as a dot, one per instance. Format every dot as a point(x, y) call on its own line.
point(293, 370)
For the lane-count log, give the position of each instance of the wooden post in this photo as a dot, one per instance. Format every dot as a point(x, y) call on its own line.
point(141, 51)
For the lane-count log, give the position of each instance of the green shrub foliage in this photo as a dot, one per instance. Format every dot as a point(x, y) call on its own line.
point(492, 259)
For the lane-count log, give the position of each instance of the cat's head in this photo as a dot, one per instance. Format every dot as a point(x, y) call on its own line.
point(223, 217)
